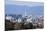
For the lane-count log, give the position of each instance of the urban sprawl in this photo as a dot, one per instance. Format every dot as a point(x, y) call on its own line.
point(18, 22)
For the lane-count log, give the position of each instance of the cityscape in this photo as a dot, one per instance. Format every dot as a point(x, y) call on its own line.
point(17, 22)
point(22, 15)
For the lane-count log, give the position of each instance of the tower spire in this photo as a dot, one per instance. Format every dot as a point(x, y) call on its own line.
point(25, 11)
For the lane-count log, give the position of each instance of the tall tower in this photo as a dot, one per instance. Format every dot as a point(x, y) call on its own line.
point(25, 11)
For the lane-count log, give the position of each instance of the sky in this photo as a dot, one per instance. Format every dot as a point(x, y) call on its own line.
point(19, 7)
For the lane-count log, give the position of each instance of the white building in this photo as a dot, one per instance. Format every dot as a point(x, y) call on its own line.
point(19, 20)
point(28, 19)
point(8, 18)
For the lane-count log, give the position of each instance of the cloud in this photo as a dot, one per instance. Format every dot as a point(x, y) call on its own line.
point(26, 3)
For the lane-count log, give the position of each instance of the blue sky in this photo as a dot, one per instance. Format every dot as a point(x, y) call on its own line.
point(18, 7)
